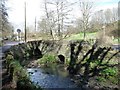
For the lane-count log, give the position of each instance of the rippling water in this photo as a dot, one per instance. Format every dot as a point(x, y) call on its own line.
point(51, 77)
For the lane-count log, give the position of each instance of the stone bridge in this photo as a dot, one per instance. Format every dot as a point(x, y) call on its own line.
point(41, 47)
point(38, 48)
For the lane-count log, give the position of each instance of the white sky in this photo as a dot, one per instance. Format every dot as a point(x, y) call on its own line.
point(35, 9)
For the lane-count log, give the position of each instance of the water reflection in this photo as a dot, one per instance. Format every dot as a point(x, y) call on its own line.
point(58, 70)
point(52, 76)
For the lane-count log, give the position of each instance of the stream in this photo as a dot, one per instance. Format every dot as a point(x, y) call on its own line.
point(54, 76)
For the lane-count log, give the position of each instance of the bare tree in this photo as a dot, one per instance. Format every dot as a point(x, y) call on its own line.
point(97, 20)
point(63, 9)
point(42, 26)
point(79, 26)
point(5, 27)
point(114, 14)
point(108, 16)
point(86, 7)
point(56, 18)
point(49, 19)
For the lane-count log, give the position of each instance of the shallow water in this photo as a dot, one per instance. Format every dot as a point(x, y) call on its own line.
point(54, 76)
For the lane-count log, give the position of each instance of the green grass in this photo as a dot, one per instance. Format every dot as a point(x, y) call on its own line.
point(115, 41)
point(81, 35)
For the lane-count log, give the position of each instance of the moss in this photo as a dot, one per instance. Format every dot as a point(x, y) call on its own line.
point(46, 59)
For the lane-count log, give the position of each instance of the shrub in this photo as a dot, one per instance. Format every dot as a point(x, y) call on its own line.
point(110, 72)
point(109, 75)
point(48, 58)
point(101, 79)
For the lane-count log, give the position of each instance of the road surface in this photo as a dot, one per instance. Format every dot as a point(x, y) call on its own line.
point(6, 47)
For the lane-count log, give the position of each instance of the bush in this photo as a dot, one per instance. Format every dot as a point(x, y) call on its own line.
point(101, 79)
point(110, 72)
point(109, 75)
point(48, 58)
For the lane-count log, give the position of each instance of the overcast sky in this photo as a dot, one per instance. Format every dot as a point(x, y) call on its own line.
point(35, 9)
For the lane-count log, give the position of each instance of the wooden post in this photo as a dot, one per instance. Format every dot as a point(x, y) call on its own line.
point(25, 24)
point(35, 29)
point(35, 25)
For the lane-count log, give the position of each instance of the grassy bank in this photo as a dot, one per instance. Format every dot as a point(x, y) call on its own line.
point(89, 36)
point(81, 36)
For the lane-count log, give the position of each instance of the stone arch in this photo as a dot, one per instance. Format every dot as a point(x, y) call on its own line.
point(61, 58)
